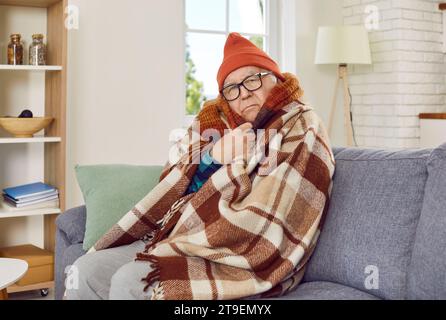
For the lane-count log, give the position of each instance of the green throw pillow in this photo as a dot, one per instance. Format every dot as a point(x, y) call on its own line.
point(110, 191)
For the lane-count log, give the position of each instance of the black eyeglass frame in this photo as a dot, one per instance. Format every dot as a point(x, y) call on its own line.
point(259, 74)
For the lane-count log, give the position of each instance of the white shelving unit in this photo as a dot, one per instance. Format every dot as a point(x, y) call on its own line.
point(28, 17)
point(29, 140)
point(28, 213)
point(29, 68)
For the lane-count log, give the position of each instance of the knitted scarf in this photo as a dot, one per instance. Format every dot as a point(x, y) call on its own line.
point(251, 228)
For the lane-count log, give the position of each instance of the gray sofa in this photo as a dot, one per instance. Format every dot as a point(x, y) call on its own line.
point(384, 236)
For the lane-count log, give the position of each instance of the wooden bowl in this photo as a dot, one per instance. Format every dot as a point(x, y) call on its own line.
point(24, 127)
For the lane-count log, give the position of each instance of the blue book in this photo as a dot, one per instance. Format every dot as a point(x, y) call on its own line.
point(32, 198)
point(29, 190)
point(26, 204)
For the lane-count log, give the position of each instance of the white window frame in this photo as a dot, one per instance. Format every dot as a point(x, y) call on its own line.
point(271, 42)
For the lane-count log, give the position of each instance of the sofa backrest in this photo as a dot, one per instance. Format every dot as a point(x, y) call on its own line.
point(368, 235)
point(427, 272)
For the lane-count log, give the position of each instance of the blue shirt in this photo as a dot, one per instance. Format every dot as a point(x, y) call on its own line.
point(206, 168)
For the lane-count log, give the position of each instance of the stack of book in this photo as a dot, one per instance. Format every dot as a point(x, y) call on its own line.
point(31, 196)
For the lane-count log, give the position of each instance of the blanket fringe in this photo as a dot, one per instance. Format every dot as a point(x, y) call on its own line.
point(166, 223)
point(145, 257)
point(148, 238)
point(158, 292)
point(154, 275)
point(175, 207)
point(157, 237)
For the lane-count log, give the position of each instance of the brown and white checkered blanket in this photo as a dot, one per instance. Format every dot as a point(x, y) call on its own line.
point(251, 228)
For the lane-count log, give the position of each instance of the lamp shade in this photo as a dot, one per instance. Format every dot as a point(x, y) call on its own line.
point(342, 44)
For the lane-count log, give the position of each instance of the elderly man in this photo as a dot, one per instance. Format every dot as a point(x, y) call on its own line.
point(225, 227)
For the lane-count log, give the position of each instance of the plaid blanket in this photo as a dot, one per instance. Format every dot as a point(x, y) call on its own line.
point(250, 229)
point(205, 169)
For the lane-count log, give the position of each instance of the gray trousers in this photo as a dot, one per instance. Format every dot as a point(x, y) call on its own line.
point(110, 274)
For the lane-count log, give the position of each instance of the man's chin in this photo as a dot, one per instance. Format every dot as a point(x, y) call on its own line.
point(251, 115)
point(249, 118)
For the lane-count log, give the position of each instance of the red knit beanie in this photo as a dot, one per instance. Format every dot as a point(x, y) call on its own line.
point(240, 52)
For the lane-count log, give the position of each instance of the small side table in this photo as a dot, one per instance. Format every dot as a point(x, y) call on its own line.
point(11, 271)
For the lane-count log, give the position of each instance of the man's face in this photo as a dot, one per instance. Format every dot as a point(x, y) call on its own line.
point(248, 104)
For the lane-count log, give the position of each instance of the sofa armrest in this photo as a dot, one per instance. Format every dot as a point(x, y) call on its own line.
point(72, 224)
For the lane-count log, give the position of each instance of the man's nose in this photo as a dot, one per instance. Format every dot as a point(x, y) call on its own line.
point(244, 93)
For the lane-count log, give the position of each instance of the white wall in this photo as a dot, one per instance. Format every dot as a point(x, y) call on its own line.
point(125, 84)
point(318, 81)
point(407, 75)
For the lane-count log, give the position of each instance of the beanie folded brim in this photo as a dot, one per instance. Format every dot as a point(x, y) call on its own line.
point(240, 52)
point(234, 63)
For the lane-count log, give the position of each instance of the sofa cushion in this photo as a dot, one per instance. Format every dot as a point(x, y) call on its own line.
point(110, 191)
point(323, 290)
point(369, 230)
point(427, 272)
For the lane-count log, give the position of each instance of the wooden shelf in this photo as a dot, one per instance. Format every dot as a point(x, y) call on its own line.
point(28, 3)
point(29, 68)
point(30, 140)
point(432, 116)
point(37, 286)
point(442, 6)
point(37, 212)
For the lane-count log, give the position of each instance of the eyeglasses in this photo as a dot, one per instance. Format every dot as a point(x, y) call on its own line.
point(250, 83)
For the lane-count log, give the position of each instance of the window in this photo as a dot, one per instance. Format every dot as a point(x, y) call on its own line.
point(208, 24)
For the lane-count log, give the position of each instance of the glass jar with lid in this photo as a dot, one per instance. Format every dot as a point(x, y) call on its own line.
point(37, 51)
point(15, 50)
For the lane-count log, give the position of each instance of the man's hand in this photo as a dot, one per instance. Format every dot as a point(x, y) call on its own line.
point(238, 142)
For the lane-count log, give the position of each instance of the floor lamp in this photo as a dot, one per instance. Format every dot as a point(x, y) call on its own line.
point(343, 45)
